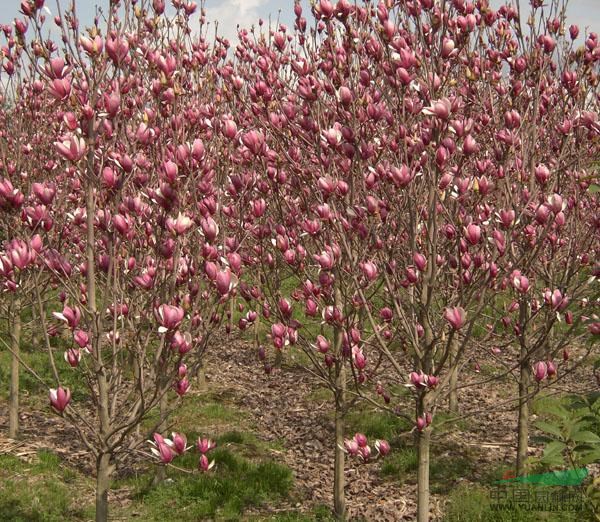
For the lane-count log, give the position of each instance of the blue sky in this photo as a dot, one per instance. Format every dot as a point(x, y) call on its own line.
point(229, 13)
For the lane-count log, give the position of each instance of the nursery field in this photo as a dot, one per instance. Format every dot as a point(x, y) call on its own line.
point(341, 264)
point(273, 456)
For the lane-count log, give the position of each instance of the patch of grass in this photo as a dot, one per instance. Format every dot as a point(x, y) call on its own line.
point(399, 463)
point(376, 424)
point(39, 491)
point(445, 422)
point(38, 361)
point(473, 504)
point(318, 514)
point(248, 444)
point(197, 415)
point(234, 485)
point(444, 470)
point(321, 394)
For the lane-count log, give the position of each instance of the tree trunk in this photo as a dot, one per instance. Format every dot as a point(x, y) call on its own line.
point(201, 379)
point(15, 345)
point(524, 380)
point(339, 481)
point(104, 469)
point(453, 393)
point(523, 423)
point(423, 476)
point(339, 499)
point(161, 471)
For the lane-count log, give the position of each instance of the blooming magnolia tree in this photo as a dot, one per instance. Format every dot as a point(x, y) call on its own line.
point(418, 179)
point(131, 242)
point(398, 190)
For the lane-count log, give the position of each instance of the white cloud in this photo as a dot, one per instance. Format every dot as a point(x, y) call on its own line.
point(231, 13)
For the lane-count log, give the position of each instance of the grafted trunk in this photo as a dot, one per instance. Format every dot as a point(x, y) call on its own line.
point(15, 345)
point(104, 469)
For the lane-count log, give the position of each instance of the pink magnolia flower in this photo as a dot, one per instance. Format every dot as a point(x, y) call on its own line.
point(440, 109)
point(360, 361)
point(351, 447)
point(456, 316)
point(178, 226)
point(224, 281)
point(473, 233)
point(163, 449)
point(540, 370)
point(420, 261)
point(179, 443)
point(205, 445)
point(69, 315)
point(20, 254)
point(182, 386)
point(169, 317)
point(204, 464)
point(361, 439)
point(322, 344)
point(73, 356)
point(59, 398)
point(71, 147)
point(181, 342)
point(419, 380)
point(382, 447)
point(369, 270)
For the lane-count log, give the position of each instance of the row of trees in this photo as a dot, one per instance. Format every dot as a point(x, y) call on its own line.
point(398, 191)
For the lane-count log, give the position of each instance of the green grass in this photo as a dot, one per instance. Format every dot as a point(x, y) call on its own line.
point(376, 424)
point(235, 484)
point(43, 491)
point(473, 504)
point(38, 361)
point(48, 491)
point(400, 463)
point(444, 471)
point(320, 513)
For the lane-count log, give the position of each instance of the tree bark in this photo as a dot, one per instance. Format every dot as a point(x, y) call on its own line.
point(104, 470)
point(453, 394)
point(201, 379)
point(15, 345)
point(161, 471)
point(523, 422)
point(524, 380)
point(423, 476)
point(339, 499)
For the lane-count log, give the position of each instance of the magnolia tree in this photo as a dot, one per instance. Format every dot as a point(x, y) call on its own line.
point(127, 227)
point(418, 184)
point(21, 164)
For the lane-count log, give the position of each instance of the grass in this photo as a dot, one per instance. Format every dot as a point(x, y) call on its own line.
point(474, 504)
point(48, 491)
point(444, 471)
point(376, 425)
point(42, 491)
point(317, 514)
point(38, 361)
point(235, 484)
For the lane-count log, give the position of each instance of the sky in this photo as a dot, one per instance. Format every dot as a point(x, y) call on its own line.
point(230, 13)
